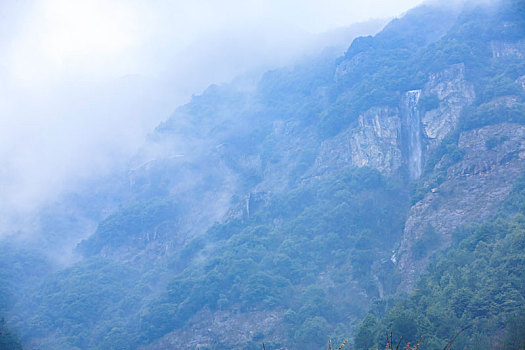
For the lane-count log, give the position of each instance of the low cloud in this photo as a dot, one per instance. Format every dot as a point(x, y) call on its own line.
point(83, 83)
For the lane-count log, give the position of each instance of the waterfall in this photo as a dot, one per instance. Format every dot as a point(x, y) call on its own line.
point(413, 132)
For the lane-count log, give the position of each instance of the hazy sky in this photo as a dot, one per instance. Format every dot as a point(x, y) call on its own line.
point(82, 82)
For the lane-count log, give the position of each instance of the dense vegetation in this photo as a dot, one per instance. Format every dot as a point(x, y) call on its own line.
point(128, 224)
point(478, 283)
point(346, 225)
point(17, 264)
point(8, 340)
point(400, 59)
point(317, 254)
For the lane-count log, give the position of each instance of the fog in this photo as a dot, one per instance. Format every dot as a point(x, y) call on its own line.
point(82, 83)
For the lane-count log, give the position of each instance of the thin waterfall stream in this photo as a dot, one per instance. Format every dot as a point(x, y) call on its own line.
point(413, 125)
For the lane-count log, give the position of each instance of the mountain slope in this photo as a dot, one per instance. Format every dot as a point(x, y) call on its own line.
point(477, 283)
point(283, 209)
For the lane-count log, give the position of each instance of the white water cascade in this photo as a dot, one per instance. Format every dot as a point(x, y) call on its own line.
point(413, 132)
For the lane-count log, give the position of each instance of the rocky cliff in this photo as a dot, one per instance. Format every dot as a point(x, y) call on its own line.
point(375, 141)
point(286, 208)
point(454, 93)
point(464, 180)
point(474, 188)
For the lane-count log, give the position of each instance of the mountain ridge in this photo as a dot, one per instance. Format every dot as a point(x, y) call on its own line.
point(286, 210)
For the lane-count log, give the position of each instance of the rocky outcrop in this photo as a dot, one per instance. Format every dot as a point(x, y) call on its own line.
point(454, 93)
point(385, 138)
point(521, 81)
point(374, 142)
point(494, 157)
point(502, 49)
point(223, 329)
point(502, 101)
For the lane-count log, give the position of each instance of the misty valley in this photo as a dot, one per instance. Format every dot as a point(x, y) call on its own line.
point(345, 197)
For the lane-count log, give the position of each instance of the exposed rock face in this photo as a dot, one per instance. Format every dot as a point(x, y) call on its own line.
point(374, 142)
point(384, 137)
point(521, 81)
point(502, 101)
point(229, 329)
point(454, 93)
point(502, 49)
point(474, 188)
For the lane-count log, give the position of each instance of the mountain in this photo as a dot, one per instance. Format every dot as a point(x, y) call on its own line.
point(476, 285)
point(326, 200)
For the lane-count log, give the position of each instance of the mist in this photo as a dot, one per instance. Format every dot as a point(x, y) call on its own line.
point(220, 174)
point(83, 83)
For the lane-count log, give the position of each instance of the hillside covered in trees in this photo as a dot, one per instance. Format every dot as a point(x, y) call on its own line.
point(341, 198)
